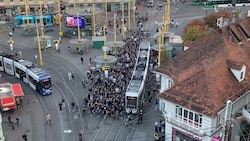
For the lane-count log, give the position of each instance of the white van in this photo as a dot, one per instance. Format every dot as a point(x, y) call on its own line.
point(150, 3)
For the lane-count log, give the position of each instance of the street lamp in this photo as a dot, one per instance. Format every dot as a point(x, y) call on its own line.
point(122, 20)
point(26, 11)
point(134, 8)
point(39, 45)
point(59, 20)
point(93, 17)
point(78, 30)
point(106, 12)
point(114, 27)
point(128, 15)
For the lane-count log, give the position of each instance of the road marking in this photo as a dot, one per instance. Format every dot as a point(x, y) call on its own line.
point(67, 131)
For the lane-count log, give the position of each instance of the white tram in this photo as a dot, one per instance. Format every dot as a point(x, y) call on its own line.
point(26, 71)
point(136, 85)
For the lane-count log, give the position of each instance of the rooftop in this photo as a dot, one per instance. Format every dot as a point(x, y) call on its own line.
point(202, 78)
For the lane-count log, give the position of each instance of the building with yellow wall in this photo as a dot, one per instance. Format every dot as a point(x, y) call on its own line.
point(17, 7)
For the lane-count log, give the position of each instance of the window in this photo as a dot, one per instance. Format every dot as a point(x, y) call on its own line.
point(185, 113)
point(188, 117)
point(241, 75)
point(11, 0)
point(196, 118)
point(169, 84)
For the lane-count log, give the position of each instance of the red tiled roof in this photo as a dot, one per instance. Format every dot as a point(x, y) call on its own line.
point(202, 78)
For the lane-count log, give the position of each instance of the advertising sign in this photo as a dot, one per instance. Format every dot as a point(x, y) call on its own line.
point(216, 139)
point(75, 22)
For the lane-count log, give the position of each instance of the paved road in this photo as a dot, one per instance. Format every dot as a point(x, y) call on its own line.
point(66, 125)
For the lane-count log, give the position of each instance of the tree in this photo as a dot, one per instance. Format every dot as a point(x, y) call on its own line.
point(211, 19)
point(192, 33)
point(195, 29)
point(196, 22)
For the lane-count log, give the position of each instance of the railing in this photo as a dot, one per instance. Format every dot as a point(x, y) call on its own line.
point(187, 124)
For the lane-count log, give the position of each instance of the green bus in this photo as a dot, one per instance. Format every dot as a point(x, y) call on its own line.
point(219, 3)
point(199, 2)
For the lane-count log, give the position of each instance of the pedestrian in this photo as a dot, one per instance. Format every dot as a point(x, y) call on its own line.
point(72, 76)
point(80, 135)
point(10, 34)
point(24, 136)
point(206, 12)
point(83, 83)
point(176, 24)
point(13, 29)
point(11, 47)
point(60, 106)
point(82, 60)
point(17, 102)
point(17, 121)
point(73, 106)
point(63, 103)
point(9, 118)
point(48, 117)
point(44, 51)
point(12, 125)
point(56, 46)
point(20, 53)
point(69, 49)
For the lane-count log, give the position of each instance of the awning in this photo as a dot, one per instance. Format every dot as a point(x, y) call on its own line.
point(17, 90)
point(8, 103)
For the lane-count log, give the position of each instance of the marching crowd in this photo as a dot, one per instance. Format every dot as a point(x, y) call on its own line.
point(106, 96)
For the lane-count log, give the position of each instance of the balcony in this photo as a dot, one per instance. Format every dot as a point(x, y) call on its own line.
point(187, 125)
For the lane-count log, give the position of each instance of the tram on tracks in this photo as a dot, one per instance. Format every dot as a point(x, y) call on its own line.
point(26, 71)
point(135, 87)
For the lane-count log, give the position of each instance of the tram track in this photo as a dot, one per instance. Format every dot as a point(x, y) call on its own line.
point(69, 94)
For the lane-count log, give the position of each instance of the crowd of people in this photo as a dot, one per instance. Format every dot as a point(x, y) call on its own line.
point(106, 96)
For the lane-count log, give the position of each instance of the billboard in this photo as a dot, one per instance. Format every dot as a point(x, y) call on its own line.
point(75, 22)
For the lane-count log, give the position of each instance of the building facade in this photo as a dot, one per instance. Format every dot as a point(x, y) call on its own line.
point(197, 85)
point(17, 7)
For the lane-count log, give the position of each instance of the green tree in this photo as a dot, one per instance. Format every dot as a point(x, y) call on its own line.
point(211, 19)
point(192, 33)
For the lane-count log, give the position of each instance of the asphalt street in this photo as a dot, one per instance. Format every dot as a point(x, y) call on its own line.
point(66, 125)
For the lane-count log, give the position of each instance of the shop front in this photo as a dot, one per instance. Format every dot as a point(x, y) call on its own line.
point(178, 135)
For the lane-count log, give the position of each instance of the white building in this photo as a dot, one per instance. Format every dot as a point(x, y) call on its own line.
point(196, 85)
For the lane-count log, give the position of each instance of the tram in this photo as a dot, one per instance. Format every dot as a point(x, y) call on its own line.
point(135, 87)
point(26, 71)
point(22, 20)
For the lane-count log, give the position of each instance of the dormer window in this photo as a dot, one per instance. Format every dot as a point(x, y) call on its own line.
point(242, 73)
point(238, 69)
